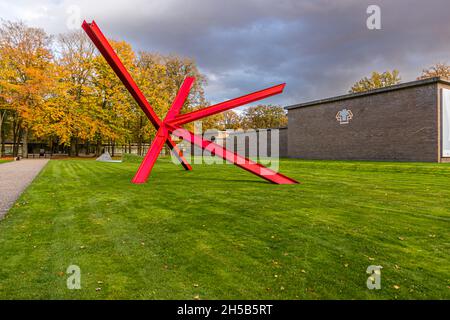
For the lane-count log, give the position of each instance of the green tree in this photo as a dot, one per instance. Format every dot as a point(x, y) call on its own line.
point(376, 80)
point(231, 120)
point(264, 116)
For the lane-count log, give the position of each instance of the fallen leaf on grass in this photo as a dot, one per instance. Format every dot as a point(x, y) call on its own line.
point(396, 287)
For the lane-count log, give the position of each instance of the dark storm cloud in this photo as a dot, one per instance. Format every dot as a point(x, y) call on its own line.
point(318, 47)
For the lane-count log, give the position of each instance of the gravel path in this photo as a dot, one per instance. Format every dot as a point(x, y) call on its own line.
point(14, 178)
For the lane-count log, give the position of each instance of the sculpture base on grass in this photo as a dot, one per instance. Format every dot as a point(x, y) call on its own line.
point(104, 157)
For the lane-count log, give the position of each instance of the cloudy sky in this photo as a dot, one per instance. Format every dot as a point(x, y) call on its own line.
point(319, 48)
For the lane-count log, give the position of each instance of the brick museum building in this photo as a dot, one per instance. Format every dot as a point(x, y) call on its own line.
point(404, 122)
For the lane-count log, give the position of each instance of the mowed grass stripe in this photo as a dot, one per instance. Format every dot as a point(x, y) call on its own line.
point(220, 232)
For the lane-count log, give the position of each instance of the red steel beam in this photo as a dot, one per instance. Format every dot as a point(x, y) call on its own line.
point(227, 105)
point(150, 158)
point(235, 158)
point(179, 100)
point(171, 122)
point(102, 44)
point(163, 134)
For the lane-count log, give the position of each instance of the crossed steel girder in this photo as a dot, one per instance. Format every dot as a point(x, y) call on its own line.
point(172, 122)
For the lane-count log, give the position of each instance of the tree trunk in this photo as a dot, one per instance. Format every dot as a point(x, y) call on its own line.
point(51, 147)
point(139, 146)
point(76, 147)
point(2, 134)
point(97, 149)
point(14, 137)
point(72, 147)
point(141, 124)
point(25, 143)
point(17, 132)
point(113, 148)
point(88, 147)
point(2, 117)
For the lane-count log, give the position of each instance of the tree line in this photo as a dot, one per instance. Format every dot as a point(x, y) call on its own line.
point(389, 78)
point(60, 91)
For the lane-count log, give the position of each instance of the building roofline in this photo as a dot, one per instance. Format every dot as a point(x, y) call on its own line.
point(371, 92)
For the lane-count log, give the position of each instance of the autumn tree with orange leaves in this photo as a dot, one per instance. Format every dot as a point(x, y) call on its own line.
point(25, 78)
point(61, 92)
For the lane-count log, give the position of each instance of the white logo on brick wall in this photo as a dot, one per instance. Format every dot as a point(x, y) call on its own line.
point(344, 116)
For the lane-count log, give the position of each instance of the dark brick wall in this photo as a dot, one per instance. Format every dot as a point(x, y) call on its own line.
point(394, 125)
point(283, 142)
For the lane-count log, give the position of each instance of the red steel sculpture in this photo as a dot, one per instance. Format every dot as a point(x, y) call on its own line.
point(173, 121)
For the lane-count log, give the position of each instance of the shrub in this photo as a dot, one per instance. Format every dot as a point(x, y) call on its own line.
point(133, 158)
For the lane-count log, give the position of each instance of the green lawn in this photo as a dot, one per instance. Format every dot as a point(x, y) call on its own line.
point(219, 232)
point(4, 160)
